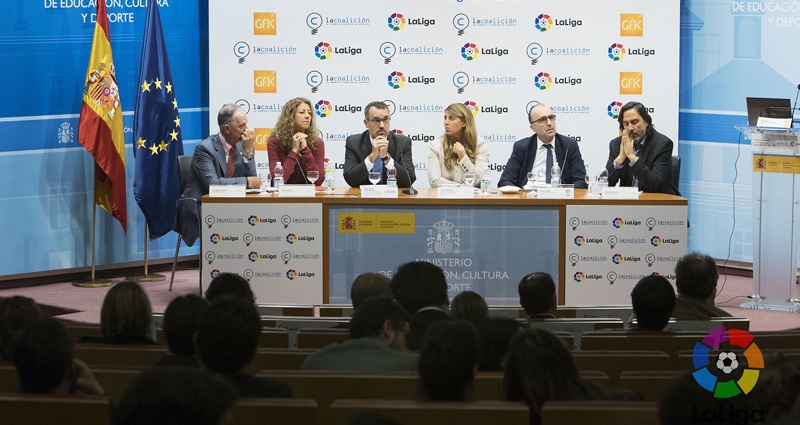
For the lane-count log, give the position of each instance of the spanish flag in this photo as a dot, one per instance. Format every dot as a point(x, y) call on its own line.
point(100, 125)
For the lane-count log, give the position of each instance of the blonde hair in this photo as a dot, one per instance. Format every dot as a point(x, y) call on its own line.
point(469, 135)
point(284, 128)
point(126, 312)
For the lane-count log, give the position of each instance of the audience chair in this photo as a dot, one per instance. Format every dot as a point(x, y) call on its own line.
point(417, 412)
point(275, 411)
point(600, 412)
point(23, 409)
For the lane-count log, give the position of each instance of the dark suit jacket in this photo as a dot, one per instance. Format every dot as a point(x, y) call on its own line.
point(208, 167)
point(358, 147)
point(567, 154)
point(420, 322)
point(653, 169)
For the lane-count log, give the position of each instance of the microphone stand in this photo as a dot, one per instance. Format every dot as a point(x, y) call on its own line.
point(410, 190)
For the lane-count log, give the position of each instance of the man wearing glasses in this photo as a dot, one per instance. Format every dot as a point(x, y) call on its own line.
point(376, 149)
point(539, 152)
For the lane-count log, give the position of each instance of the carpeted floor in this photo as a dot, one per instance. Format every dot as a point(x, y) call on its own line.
point(82, 305)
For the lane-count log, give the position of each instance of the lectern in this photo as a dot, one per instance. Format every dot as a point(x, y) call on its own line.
point(776, 216)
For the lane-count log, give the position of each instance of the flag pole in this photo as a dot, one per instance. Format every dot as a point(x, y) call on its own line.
point(155, 277)
point(92, 282)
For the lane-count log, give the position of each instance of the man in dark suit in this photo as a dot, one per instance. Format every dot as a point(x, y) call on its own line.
point(421, 288)
point(222, 158)
point(641, 157)
point(531, 153)
point(378, 144)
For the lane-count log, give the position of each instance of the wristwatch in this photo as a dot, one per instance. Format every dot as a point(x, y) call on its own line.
point(248, 157)
point(386, 158)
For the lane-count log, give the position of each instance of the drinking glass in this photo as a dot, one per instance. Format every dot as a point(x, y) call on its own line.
point(374, 177)
point(264, 177)
point(469, 179)
point(312, 176)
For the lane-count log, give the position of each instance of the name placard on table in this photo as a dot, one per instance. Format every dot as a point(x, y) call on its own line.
point(378, 191)
point(456, 191)
point(620, 193)
point(227, 191)
point(559, 192)
point(297, 190)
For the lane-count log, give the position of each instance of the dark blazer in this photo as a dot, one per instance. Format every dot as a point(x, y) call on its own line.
point(568, 156)
point(208, 167)
point(358, 147)
point(653, 169)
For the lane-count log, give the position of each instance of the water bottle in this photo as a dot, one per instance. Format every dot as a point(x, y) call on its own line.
point(277, 175)
point(486, 181)
point(602, 181)
point(555, 172)
point(391, 175)
point(330, 180)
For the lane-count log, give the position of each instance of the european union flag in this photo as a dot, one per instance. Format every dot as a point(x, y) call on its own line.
point(156, 132)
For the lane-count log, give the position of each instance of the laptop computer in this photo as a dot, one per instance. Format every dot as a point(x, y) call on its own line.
point(768, 107)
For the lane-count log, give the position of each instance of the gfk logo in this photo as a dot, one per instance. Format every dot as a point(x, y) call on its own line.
point(265, 81)
point(630, 83)
point(631, 24)
point(265, 23)
point(262, 135)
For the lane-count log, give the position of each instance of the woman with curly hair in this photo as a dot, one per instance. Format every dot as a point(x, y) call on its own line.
point(458, 151)
point(294, 143)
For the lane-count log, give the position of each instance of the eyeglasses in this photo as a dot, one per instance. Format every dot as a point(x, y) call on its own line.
point(378, 121)
point(543, 120)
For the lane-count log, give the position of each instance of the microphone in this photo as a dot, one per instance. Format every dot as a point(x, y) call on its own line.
point(410, 190)
point(794, 107)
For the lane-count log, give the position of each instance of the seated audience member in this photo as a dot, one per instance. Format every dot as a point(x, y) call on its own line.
point(125, 317)
point(495, 334)
point(226, 341)
point(540, 368)
point(377, 341)
point(44, 356)
point(685, 402)
point(458, 151)
point(15, 313)
point(368, 285)
point(469, 306)
point(537, 295)
point(177, 397)
point(777, 391)
point(447, 361)
point(653, 301)
point(420, 287)
point(295, 143)
point(696, 278)
point(229, 284)
point(180, 325)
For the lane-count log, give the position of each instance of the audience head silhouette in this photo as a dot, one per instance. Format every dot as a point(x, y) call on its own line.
point(180, 323)
point(229, 284)
point(368, 285)
point(15, 313)
point(653, 301)
point(228, 333)
point(381, 318)
point(43, 353)
point(419, 284)
point(448, 360)
point(696, 275)
point(537, 294)
point(126, 314)
point(469, 306)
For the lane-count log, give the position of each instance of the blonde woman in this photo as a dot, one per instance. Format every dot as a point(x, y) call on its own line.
point(458, 151)
point(294, 143)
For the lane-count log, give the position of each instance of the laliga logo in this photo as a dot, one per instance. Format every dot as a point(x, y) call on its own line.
point(397, 131)
point(323, 50)
point(579, 276)
point(397, 80)
point(214, 273)
point(727, 363)
point(397, 21)
point(291, 274)
point(616, 52)
point(543, 22)
point(655, 240)
point(617, 259)
point(291, 238)
point(617, 222)
point(469, 51)
point(252, 256)
point(580, 240)
point(252, 220)
point(215, 238)
point(614, 108)
point(473, 107)
point(323, 108)
point(542, 81)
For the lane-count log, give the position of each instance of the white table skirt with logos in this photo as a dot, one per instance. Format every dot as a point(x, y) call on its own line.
point(308, 250)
